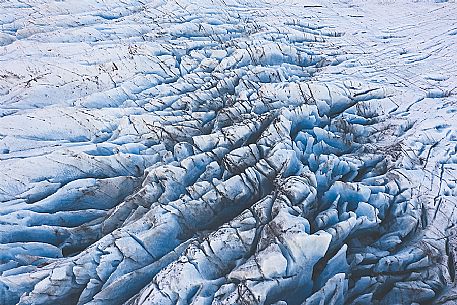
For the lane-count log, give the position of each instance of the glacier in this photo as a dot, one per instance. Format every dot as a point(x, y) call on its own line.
point(228, 152)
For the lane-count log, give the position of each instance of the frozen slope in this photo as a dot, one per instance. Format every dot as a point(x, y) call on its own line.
point(228, 152)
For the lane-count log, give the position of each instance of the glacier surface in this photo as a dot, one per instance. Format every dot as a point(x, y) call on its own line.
point(228, 152)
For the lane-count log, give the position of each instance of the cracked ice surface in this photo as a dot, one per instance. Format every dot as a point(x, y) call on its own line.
point(225, 152)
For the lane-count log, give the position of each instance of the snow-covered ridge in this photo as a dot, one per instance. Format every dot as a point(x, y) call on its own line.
point(212, 153)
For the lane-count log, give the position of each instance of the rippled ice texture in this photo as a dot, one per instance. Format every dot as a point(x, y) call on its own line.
point(228, 152)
